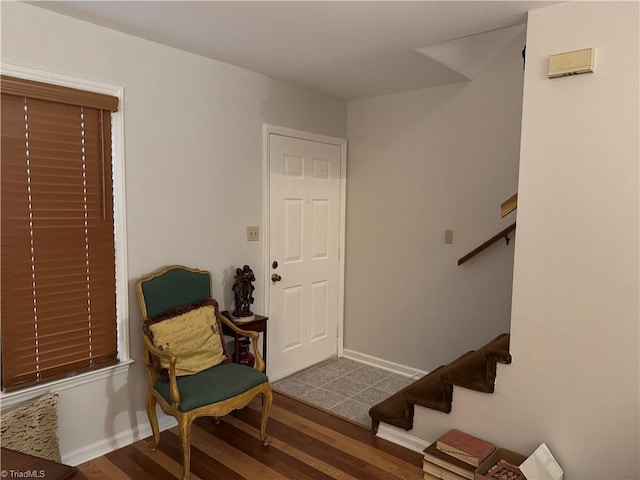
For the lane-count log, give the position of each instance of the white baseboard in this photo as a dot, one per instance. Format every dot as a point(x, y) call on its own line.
point(387, 432)
point(402, 438)
point(384, 364)
point(139, 432)
point(114, 442)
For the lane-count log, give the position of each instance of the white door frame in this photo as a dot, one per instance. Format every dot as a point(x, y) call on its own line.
point(342, 143)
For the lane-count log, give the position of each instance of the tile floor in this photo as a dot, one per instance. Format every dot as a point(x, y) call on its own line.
point(343, 386)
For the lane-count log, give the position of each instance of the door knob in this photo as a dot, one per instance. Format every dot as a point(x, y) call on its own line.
point(275, 277)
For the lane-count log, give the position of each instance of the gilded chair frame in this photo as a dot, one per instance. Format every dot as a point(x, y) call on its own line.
point(218, 409)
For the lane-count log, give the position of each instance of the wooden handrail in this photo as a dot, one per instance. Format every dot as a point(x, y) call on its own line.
point(509, 205)
point(488, 243)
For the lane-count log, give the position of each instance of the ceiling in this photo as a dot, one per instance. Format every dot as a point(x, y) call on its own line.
point(345, 49)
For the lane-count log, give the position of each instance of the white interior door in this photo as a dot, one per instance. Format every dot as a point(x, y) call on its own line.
point(304, 241)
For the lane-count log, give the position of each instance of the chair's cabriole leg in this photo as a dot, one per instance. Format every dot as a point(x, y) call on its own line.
point(184, 425)
point(153, 420)
point(267, 400)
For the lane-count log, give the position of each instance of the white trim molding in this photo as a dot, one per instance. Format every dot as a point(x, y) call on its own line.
point(122, 439)
point(402, 438)
point(385, 364)
point(387, 432)
point(13, 399)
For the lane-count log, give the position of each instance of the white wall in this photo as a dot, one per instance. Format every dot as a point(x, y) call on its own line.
point(576, 290)
point(421, 162)
point(574, 380)
point(193, 133)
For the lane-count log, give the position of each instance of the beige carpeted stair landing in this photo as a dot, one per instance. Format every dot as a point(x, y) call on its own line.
point(475, 370)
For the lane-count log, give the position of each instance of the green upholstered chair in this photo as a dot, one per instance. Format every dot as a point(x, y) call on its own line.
point(212, 391)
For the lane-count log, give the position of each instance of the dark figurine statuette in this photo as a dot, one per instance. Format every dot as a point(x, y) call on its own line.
point(243, 290)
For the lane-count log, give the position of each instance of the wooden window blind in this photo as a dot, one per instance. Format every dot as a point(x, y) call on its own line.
point(58, 288)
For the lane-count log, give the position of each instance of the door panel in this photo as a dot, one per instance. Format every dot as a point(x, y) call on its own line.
point(291, 317)
point(293, 211)
point(319, 313)
point(304, 226)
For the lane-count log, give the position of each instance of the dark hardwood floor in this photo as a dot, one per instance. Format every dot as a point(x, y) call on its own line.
point(306, 443)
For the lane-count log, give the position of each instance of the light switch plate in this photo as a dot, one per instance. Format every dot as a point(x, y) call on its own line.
point(448, 236)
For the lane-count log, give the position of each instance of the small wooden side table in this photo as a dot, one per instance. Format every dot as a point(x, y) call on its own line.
point(258, 324)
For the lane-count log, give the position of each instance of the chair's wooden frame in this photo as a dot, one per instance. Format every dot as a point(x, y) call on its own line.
point(219, 409)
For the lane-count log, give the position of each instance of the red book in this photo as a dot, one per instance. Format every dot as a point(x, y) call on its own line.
point(443, 460)
point(465, 447)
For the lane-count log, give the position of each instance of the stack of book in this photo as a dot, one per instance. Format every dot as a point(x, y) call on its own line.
point(455, 456)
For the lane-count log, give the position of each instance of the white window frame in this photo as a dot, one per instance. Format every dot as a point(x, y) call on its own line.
point(9, 399)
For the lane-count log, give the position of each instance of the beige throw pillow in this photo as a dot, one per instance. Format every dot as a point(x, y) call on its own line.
point(193, 337)
point(31, 429)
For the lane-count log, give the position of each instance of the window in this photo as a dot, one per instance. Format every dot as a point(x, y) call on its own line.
point(58, 290)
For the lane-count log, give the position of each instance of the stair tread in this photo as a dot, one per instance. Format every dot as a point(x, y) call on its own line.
point(475, 373)
point(474, 369)
point(430, 392)
point(395, 411)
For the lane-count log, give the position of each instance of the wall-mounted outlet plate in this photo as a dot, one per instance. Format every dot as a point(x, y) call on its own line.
point(253, 234)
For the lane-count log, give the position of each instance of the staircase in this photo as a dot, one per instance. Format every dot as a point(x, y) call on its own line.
point(475, 370)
